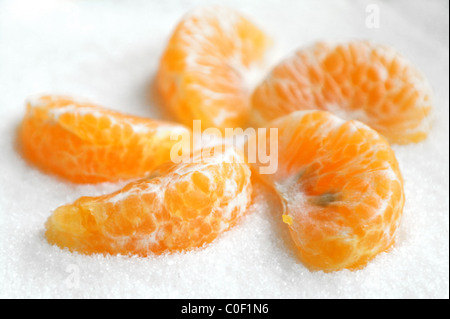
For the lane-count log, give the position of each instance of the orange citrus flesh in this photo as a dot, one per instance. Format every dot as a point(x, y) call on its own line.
point(184, 206)
point(341, 187)
point(85, 143)
point(356, 81)
point(204, 70)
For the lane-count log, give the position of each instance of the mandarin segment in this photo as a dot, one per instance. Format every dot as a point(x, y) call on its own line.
point(85, 143)
point(341, 187)
point(186, 207)
point(204, 70)
point(357, 81)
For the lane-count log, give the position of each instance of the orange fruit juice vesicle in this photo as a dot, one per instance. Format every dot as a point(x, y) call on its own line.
point(341, 187)
point(206, 69)
point(356, 81)
point(85, 143)
point(183, 206)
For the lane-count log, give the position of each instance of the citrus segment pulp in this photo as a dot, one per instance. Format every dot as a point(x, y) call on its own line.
point(85, 143)
point(183, 206)
point(204, 70)
point(356, 81)
point(341, 186)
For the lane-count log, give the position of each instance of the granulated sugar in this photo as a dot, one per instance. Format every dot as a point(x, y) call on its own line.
point(108, 52)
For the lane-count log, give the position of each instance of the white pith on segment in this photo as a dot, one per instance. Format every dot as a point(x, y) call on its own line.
point(196, 36)
point(81, 108)
point(97, 132)
point(153, 198)
point(298, 83)
point(302, 208)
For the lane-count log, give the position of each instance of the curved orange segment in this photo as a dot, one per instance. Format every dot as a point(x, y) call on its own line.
point(356, 81)
point(204, 70)
point(85, 143)
point(185, 206)
point(342, 189)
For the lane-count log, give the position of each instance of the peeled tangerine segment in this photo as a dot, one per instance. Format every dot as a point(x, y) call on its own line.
point(356, 81)
point(205, 70)
point(85, 143)
point(183, 206)
point(342, 189)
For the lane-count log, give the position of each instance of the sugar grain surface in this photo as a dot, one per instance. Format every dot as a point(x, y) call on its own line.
point(108, 51)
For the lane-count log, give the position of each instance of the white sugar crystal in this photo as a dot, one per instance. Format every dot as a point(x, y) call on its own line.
point(63, 47)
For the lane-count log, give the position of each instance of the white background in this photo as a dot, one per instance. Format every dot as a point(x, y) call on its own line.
point(108, 51)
